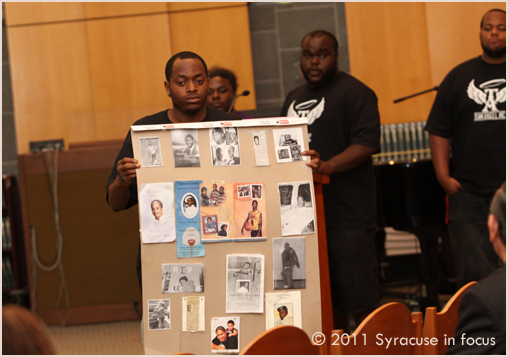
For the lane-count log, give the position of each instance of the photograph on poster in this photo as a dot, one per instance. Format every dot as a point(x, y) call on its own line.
point(283, 308)
point(151, 155)
point(257, 192)
point(185, 147)
point(225, 334)
point(244, 191)
point(217, 137)
point(183, 278)
point(209, 224)
point(218, 156)
point(188, 220)
point(296, 208)
point(233, 158)
point(193, 313)
point(223, 231)
point(204, 199)
point(221, 206)
point(189, 205)
point(289, 268)
point(250, 213)
point(288, 144)
point(245, 283)
point(159, 314)
point(156, 209)
point(260, 148)
point(231, 136)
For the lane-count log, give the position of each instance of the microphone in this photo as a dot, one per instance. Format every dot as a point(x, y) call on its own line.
point(244, 93)
point(414, 95)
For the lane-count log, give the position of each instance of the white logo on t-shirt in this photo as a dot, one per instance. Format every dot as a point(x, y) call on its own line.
point(490, 96)
point(303, 110)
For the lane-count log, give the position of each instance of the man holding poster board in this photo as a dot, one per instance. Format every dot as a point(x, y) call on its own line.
point(187, 86)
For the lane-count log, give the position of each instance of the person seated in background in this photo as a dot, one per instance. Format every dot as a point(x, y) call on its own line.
point(23, 333)
point(482, 314)
point(222, 90)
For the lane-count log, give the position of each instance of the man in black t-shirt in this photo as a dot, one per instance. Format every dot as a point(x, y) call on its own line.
point(468, 119)
point(344, 131)
point(187, 86)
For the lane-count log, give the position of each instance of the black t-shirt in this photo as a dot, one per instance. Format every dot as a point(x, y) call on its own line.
point(470, 109)
point(127, 151)
point(342, 113)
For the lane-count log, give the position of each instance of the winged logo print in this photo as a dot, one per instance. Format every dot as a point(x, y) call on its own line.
point(489, 97)
point(300, 110)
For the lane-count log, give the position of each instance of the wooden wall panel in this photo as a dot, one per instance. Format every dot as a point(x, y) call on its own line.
point(127, 70)
point(203, 32)
point(105, 9)
point(453, 33)
point(51, 83)
point(188, 5)
point(388, 51)
point(23, 13)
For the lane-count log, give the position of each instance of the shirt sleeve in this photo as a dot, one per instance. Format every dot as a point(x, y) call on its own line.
point(365, 125)
point(439, 122)
point(125, 151)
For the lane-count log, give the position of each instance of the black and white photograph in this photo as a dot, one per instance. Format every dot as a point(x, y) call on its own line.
point(217, 137)
point(231, 135)
point(223, 229)
point(193, 313)
point(245, 283)
point(183, 278)
point(233, 155)
point(189, 205)
point(283, 308)
point(159, 314)
point(289, 144)
point(157, 213)
point(260, 148)
point(209, 224)
point(289, 268)
point(296, 208)
point(225, 334)
point(151, 155)
point(219, 156)
point(204, 197)
point(185, 147)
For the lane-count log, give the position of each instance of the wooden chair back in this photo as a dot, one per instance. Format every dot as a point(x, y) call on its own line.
point(442, 324)
point(390, 321)
point(281, 340)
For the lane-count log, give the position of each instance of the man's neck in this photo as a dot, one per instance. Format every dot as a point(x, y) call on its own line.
point(177, 116)
point(493, 60)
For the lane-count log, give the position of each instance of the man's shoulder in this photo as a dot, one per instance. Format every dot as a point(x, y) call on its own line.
point(493, 286)
point(213, 114)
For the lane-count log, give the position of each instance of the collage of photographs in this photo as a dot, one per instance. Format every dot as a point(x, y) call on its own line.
point(194, 213)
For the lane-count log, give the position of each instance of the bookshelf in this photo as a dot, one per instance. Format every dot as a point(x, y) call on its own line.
point(14, 274)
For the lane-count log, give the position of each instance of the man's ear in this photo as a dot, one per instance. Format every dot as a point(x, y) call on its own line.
point(493, 228)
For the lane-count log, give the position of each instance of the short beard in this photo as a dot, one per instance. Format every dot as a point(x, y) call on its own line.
point(326, 77)
point(500, 52)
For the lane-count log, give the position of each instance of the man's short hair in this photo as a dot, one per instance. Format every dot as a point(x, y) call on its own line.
point(203, 189)
point(317, 33)
point(226, 74)
point(183, 278)
point(483, 17)
point(182, 55)
point(282, 308)
point(160, 202)
point(220, 328)
point(498, 210)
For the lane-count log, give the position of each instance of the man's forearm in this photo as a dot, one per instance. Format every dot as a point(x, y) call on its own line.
point(350, 158)
point(118, 196)
point(440, 149)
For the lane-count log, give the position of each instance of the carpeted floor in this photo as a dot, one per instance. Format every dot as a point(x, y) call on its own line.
point(114, 338)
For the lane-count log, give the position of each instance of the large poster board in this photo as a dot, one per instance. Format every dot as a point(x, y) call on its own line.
point(235, 242)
